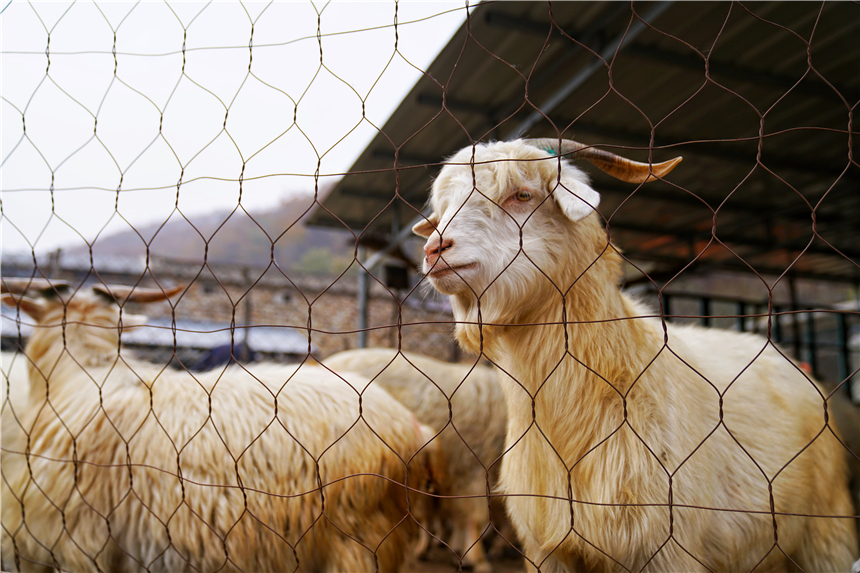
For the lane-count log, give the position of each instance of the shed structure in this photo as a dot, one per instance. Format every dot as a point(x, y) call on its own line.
point(760, 100)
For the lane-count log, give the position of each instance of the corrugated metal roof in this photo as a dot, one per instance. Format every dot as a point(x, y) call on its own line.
point(756, 97)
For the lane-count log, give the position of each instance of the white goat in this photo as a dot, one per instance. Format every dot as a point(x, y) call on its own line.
point(13, 384)
point(14, 401)
point(12, 365)
point(131, 466)
point(632, 443)
point(472, 440)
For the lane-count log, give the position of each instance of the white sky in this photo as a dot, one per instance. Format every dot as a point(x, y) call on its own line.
point(81, 92)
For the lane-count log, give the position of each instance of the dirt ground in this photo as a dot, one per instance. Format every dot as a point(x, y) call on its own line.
point(441, 560)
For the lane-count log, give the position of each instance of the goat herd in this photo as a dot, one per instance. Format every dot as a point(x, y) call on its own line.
point(603, 439)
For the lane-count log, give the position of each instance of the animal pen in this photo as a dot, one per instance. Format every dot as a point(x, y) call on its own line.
point(251, 174)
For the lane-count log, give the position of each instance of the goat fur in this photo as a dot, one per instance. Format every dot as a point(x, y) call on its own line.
point(13, 384)
point(472, 440)
point(133, 467)
point(632, 443)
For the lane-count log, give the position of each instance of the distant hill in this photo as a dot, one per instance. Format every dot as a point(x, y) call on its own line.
point(239, 238)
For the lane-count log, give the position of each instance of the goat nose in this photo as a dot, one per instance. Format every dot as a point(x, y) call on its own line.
point(435, 246)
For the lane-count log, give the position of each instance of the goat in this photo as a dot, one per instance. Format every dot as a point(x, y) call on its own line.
point(632, 443)
point(471, 441)
point(13, 385)
point(130, 466)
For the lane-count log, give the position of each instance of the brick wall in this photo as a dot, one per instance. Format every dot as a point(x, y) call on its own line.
point(331, 315)
point(224, 293)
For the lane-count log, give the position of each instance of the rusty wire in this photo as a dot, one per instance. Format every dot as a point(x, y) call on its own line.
point(404, 320)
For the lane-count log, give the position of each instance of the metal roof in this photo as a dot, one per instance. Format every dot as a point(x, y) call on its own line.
point(757, 98)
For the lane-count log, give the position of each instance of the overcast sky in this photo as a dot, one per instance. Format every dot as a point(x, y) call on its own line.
point(88, 131)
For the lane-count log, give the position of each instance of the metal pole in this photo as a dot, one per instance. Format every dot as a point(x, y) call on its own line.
point(705, 311)
point(396, 308)
point(842, 341)
point(405, 233)
point(795, 318)
point(667, 306)
point(363, 288)
point(245, 353)
point(372, 262)
point(54, 264)
point(776, 326)
point(810, 335)
point(395, 220)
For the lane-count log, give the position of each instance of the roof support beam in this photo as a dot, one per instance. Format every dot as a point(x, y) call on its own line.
point(687, 61)
point(716, 149)
point(584, 74)
point(796, 214)
point(368, 194)
point(743, 73)
point(401, 237)
point(690, 236)
point(407, 158)
point(362, 294)
point(591, 41)
point(707, 265)
point(454, 104)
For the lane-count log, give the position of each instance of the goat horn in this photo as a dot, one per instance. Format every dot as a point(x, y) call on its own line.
point(122, 293)
point(614, 165)
point(31, 286)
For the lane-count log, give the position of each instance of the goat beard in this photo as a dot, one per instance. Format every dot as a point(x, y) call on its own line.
point(480, 327)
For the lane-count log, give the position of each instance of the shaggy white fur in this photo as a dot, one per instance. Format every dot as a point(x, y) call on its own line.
point(632, 444)
point(13, 383)
point(131, 466)
point(471, 441)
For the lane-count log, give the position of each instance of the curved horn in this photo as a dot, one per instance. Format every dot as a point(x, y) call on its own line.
point(123, 294)
point(34, 286)
point(614, 165)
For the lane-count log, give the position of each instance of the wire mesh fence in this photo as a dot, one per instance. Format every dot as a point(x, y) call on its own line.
point(225, 349)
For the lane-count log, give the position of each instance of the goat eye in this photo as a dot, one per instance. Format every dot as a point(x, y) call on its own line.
point(523, 195)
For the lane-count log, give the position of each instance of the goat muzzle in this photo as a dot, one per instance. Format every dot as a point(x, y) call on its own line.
point(434, 248)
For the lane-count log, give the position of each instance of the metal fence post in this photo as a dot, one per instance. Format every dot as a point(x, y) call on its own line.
point(363, 288)
point(811, 345)
point(777, 327)
point(667, 306)
point(842, 341)
point(705, 311)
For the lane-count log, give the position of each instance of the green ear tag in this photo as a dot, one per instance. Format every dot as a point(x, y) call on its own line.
point(549, 150)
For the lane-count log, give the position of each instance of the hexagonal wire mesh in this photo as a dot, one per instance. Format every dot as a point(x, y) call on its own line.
point(583, 428)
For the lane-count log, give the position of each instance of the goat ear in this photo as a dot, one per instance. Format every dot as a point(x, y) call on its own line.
point(33, 308)
point(575, 198)
point(426, 227)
